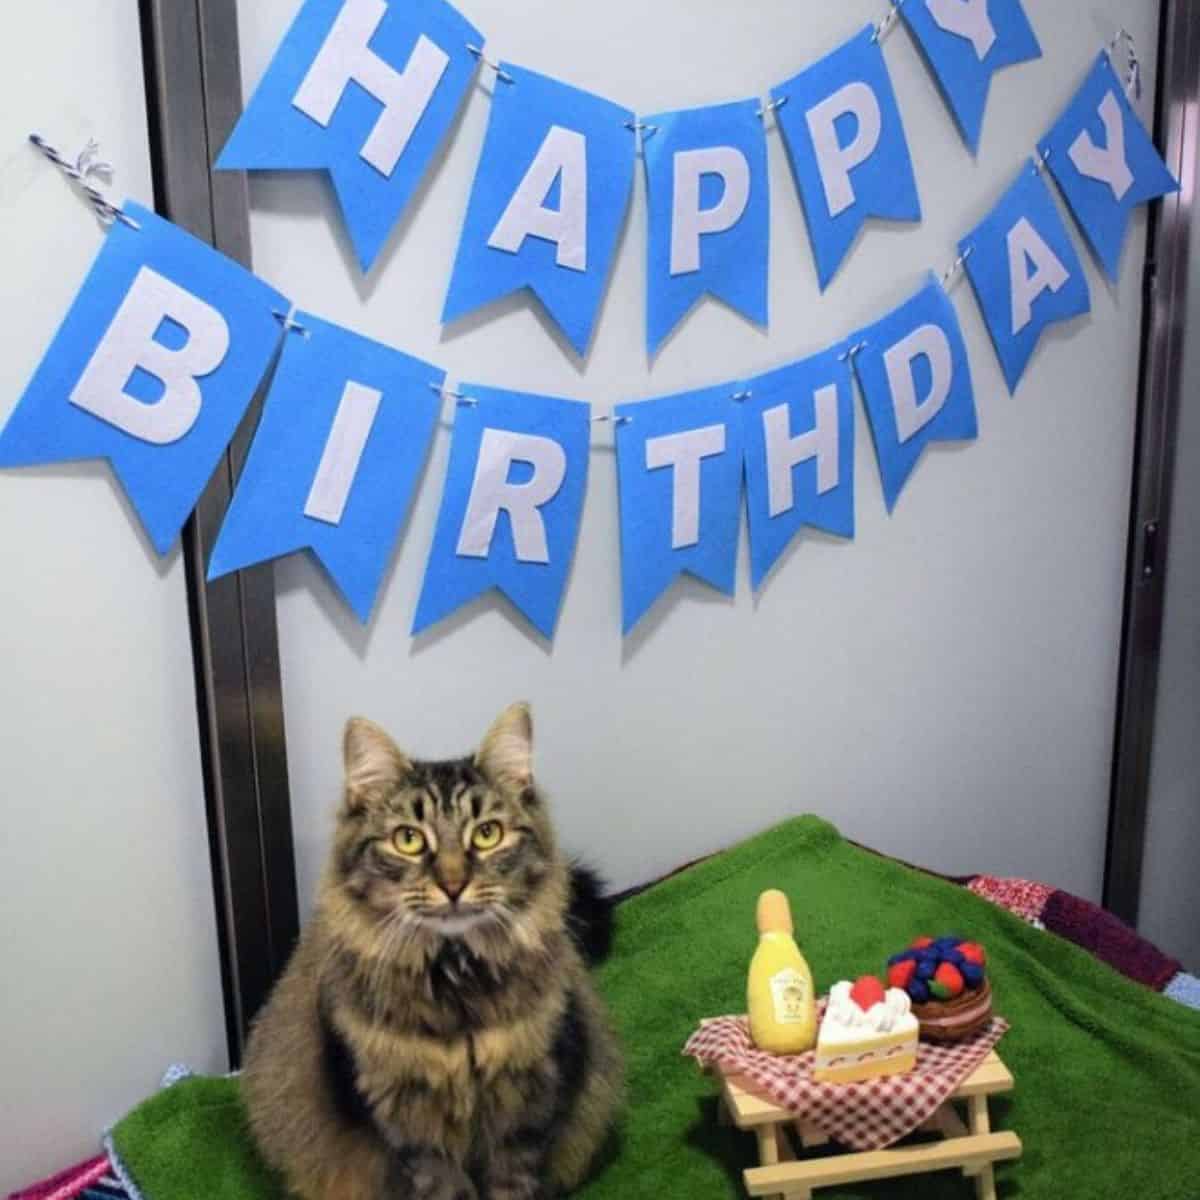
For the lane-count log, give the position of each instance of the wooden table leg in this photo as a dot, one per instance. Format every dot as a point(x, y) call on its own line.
point(945, 1121)
point(768, 1148)
point(786, 1154)
point(980, 1122)
point(773, 1149)
point(768, 1145)
point(811, 1136)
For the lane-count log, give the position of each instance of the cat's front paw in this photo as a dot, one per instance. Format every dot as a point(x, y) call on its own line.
point(514, 1187)
point(437, 1179)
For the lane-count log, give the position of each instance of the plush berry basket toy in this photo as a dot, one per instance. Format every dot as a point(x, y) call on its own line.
point(946, 980)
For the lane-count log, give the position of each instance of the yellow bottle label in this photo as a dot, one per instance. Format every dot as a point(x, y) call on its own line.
point(789, 994)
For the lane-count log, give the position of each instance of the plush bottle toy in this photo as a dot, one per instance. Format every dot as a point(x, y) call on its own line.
point(779, 990)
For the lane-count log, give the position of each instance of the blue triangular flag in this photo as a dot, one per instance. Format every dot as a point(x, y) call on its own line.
point(799, 436)
point(679, 478)
point(511, 505)
point(152, 368)
point(709, 213)
point(1025, 271)
point(916, 383)
point(548, 202)
point(965, 42)
point(368, 91)
point(336, 459)
point(847, 147)
point(1105, 162)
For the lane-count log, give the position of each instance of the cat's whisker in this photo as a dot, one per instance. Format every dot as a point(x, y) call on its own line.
point(515, 923)
point(398, 932)
point(374, 980)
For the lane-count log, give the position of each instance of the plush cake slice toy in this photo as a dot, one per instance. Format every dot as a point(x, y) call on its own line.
point(867, 1031)
point(946, 980)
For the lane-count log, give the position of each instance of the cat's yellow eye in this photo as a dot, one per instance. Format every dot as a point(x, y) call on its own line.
point(487, 835)
point(408, 840)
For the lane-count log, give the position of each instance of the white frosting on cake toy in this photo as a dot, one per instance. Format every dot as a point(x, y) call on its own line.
point(845, 1021)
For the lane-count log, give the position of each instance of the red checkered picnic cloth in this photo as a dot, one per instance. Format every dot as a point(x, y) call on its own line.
point(863, 1116)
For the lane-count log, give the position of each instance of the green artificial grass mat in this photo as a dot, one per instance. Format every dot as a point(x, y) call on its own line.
point(1107, 1099)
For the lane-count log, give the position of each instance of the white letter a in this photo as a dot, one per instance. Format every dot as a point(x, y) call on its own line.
point(563, 153)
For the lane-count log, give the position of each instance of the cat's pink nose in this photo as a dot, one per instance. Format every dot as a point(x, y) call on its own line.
point(453, 887)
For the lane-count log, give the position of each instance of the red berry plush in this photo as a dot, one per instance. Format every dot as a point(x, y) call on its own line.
point(950, 978)
point(972, 952)
point(867, 991)
point(941, 968)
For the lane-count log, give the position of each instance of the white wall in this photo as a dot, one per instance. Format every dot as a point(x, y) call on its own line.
point(107, 939)
point(942, 688)
point(1170, 910)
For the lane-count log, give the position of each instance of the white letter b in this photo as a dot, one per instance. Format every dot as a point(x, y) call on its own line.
point(129, 343)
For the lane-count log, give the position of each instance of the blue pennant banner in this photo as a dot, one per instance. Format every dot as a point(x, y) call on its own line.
point(336, 459)
point(709, 213)
point(965, 42)
point(548, 202)
point(799, 438)
point(679, 478)
point(367, 90)
point(152, 368)
point(1105, 162)
point(916, 383)
point(511, 505)
point(1025, 271)
point(847, 148)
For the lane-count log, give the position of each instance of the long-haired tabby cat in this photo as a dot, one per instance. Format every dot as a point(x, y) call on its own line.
point(436, 1034)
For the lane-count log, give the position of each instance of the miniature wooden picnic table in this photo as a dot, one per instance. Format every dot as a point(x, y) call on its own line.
point(968, 1145)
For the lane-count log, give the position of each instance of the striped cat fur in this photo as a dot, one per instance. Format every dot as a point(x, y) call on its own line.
point(436, 1034)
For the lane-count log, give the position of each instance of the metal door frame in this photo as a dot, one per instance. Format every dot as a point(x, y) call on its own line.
point(194, 97)
point(1164, 325)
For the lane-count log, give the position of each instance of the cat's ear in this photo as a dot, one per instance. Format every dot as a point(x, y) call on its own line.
point(373, 762)
point(506, 752)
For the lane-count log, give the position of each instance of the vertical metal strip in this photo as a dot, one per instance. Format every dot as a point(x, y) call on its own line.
point(194, 96)
point(1163, 329)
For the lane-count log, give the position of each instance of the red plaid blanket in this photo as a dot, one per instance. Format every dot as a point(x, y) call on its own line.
point(863, 1116)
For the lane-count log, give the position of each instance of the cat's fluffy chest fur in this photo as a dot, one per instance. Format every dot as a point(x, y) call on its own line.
point(433, 1049)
